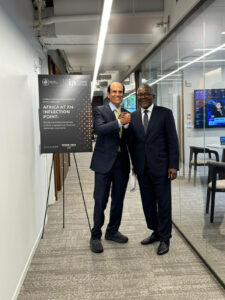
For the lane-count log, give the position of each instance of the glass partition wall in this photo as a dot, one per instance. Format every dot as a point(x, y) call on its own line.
point(129, 100)
point(187, 73)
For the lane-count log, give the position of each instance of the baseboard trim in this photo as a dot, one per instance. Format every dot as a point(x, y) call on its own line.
point(24, 273)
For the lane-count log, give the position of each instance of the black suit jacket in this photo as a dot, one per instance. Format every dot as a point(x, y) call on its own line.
point(108, 141)
point(158, 147)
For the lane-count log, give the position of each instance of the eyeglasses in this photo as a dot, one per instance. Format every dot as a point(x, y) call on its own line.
point(144, 95)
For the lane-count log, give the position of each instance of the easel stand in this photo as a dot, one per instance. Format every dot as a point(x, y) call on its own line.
point(78, 175)
point(46, 207)
point(85, 207)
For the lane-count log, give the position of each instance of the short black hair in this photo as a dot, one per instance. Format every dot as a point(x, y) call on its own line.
point(109, 86)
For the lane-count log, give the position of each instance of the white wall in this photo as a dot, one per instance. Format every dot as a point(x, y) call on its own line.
point(23, 179)
point(177, 10)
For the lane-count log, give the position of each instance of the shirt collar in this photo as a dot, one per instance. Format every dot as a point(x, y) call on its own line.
point(149, 109)
point(113, 107)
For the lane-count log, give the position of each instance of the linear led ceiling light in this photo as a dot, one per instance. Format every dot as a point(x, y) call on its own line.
point(177, 75)
point(188, 64)
point(207, 49)
point(101, 39)
point(129, 95)
point(201, 61)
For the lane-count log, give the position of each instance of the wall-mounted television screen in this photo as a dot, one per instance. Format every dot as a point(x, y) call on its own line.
point(129, 102)
point(209, 108)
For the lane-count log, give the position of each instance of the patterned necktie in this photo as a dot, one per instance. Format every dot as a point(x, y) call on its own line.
point(117, 116)
point(145, 120)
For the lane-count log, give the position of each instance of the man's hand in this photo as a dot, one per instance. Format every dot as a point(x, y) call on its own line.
point(172, 174)
point(124, 118)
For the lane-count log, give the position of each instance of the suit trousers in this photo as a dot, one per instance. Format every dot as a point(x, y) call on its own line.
point(156, 202)
point(117, 179)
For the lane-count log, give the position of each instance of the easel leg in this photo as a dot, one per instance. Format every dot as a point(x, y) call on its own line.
point(82, 192)
point(63, 194)
point(47, 197)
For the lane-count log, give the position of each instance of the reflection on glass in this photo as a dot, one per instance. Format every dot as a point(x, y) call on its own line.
point(129, 102)
point(187, 72)
point(129, 99)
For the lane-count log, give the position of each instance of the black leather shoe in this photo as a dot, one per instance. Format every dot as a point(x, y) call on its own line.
point(116, 237)
point(163, 248)
point(96, 246)
point(150, 239)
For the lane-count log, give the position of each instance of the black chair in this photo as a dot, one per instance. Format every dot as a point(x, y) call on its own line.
point(214, 185)
point(196, 161)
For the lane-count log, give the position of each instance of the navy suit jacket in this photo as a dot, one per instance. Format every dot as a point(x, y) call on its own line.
point(158, 148)
point(108, 141)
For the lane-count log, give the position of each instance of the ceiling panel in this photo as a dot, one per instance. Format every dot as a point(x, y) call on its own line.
point(131, 33)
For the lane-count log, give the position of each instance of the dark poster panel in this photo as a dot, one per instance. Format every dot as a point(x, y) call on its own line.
point(65, 113)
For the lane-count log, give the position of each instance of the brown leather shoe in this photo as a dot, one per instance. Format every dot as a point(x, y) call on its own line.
point(150, 239)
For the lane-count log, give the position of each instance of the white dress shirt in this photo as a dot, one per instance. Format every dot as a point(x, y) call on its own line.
point(113, 108)
point(149, 109)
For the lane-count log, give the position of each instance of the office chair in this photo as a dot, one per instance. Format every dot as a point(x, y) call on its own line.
point(194, 151)
point(214, 185)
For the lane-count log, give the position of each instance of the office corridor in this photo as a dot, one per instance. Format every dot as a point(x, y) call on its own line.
point(63, 266)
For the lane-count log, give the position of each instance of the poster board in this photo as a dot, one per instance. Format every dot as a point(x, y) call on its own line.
point(65, 113)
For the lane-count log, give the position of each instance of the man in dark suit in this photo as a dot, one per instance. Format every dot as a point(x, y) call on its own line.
point(110, 161)
point(154, 152)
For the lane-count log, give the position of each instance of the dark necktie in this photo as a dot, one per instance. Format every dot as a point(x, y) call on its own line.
point(145, 120)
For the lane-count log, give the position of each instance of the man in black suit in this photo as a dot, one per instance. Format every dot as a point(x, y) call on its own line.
point(110, 161)
point(155, 156)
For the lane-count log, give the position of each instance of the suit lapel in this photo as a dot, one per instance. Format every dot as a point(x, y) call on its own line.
point(110, 113)
point(139, 123)
point(152, 121)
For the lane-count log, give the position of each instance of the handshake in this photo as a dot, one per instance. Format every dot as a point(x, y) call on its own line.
point(124, 118)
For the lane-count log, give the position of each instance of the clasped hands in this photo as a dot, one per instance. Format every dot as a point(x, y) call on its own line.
point(124, 118)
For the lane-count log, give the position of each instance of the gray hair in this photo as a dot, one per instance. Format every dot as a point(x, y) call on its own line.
point(146, 86)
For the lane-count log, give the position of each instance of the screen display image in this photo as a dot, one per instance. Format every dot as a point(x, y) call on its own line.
point(209, 108)
point(222, 140)
point(129, 102)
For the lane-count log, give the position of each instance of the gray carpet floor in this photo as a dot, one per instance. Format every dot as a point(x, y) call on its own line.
point(189, 205)
point(63, 266)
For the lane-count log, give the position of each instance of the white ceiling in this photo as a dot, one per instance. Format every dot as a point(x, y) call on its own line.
point(73, 27)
